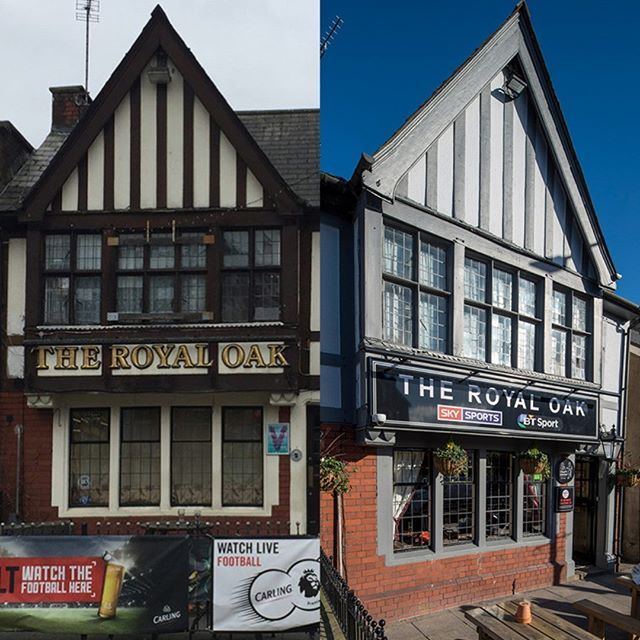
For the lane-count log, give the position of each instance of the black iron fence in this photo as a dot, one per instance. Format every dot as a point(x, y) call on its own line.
point(354, 619)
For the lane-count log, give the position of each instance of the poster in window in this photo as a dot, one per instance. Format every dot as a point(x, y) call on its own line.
point(270, 584)
point(107, 585)
point(278, 439)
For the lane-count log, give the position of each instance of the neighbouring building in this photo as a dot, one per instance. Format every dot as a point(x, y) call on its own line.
point(471, 297)
point(160, 305)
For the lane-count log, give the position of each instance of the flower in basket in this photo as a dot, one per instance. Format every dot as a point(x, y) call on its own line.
point(451, 459)
point(535, 462)
point(627, 476)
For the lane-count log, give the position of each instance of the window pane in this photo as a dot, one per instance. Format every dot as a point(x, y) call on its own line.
point(502, 289)
point(398, 253)
point(242, 476)
point(534, 506)
point(475, 332)
point(57, 253)
point(87, 300)
point(527, 297)
point(458, 506)
point(161, 294)
point(236, 248)
point(162, 256)
point(193, 256)
point(560, 308)
point(129, 294)
point(433, 265)
point(559, 352)
point(579, 314)
point(499, 494)
point(131, 257)
point(89, 458)
point(56, 301)
point(475, 280)
point(433, 322)
point(140, 456)
point(501, 340)
point(579, 358)
point(235, 297)
point(89, 252)
point(191, 456)
point(267, 248)
point(398, 314)
point(193, 293)
point(411, 499)
point(527, 345)
point(266, 298)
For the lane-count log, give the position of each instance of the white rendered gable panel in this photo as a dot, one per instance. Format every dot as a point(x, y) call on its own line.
point(255, 192)
point(416, 177)
point(122, 154)
point(228, 172)
point(496, 144)
point(201, 154)
point(95, 174)
point(148, 142)
point(175, 140)
point(540, 191)
point(519, 153)
point(472, 163)
point(558, 221)
point(70, 192)
point(445, 172)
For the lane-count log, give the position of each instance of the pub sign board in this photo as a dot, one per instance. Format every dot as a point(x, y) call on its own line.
point(564, 499)
point(420, 398)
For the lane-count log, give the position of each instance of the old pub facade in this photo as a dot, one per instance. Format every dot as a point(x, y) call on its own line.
point(477, 307)
point(162, 351)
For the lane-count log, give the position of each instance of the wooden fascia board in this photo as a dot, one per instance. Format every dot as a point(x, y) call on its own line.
point(157, 33)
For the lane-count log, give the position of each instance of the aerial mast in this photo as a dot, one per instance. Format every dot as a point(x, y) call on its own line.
point(87, 11)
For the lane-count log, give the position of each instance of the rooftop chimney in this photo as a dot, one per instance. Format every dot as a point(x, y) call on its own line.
point(69, 103)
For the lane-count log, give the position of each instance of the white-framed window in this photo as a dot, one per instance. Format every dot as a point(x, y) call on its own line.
point(152, 455)
point(570, 335)
point(416, 290)
point(502, 315)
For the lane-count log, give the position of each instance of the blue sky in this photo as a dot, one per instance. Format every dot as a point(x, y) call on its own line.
point(390, 56)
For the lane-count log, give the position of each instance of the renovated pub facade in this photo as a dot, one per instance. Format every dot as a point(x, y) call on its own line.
point(481, 311)
point(160, 307)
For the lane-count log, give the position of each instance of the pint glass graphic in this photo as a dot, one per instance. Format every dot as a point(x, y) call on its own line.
point(113, 576)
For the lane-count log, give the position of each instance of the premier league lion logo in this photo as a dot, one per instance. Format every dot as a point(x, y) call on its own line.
point(309, 584)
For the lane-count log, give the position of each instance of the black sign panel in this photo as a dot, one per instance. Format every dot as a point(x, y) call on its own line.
point(565, 471)
point(414, 397)
point(563, 499)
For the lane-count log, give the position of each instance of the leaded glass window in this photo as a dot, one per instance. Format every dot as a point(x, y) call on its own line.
point(534, 507)
point(458, 506)
point(499, 495)
point(570, 337)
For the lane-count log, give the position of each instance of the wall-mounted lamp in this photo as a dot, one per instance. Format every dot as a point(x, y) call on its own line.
point(514, 85)
point(160, 74)
point(609, 442)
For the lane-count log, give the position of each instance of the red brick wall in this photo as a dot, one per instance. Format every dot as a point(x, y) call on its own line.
point(416, 588)
point(36, 479)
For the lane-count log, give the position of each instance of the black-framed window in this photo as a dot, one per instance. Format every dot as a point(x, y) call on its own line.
point(72, 278)
point(499, 520)
point(162, 275)
point(139, 456)
point(502, 314)
point(416, 290)
point(191, 457)
point(251, 275)
point(242, 464)
point(89, 443)
point(459, 506)
point(411, 499)
point(534, 505)
point(571, 335)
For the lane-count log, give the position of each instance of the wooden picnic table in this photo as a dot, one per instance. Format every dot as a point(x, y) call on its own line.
point(628, 583)
point(497, 622)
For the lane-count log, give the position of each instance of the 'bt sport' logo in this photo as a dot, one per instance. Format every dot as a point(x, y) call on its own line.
point(529, 421)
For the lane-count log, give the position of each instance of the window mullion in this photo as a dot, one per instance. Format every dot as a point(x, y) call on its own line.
point(481, 498)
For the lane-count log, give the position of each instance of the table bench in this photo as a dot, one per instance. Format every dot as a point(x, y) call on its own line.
point(497, 622)
point(599, 616)
point(628, 583)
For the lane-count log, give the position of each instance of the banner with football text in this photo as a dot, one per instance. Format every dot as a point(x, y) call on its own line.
point(94, 584)
point(265, 584)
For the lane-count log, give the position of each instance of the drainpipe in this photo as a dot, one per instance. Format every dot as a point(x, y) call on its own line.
point(18, 431)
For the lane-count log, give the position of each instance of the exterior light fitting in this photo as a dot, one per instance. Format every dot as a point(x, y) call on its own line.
point(514, 85)
point(609, 442)
point(159, 74)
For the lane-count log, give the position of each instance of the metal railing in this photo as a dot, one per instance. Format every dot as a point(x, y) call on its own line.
point(352, 616)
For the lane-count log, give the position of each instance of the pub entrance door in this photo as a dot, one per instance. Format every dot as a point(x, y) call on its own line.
point(585, 510)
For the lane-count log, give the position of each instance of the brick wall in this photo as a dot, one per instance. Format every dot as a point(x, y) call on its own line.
point(416, 588)
point(36, 479)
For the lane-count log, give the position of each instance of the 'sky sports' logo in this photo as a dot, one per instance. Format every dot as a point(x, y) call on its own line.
point(447, 413)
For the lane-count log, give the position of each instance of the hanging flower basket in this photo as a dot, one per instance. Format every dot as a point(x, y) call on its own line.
point(451, 459)
point(628, 477)
point(534, 462)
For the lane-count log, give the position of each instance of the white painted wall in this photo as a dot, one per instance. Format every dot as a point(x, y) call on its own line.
point(148, 146)
point(228, 172)
point(201, 156)
point(70, 192)
point(175, 140)
point(314, 322)
point(16, 286)
point(122, 154)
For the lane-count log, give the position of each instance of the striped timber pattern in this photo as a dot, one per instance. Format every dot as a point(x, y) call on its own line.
point(493, 169)
point(160, 150)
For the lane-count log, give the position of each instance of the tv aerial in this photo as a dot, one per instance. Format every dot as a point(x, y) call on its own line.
point(87, 11)
point(330, 34)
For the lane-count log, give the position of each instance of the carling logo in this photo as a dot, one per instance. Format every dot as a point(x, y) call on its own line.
point(167, 615)
point(448, 413)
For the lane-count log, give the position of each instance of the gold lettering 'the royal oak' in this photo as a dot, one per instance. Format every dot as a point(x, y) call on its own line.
point(254, 356)
point(66, 358)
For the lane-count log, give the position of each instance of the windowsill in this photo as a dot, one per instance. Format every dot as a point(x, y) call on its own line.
point(119, 326)
point(158, 512)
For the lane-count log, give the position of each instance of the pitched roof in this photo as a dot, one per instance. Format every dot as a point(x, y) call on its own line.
point(291, 141)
